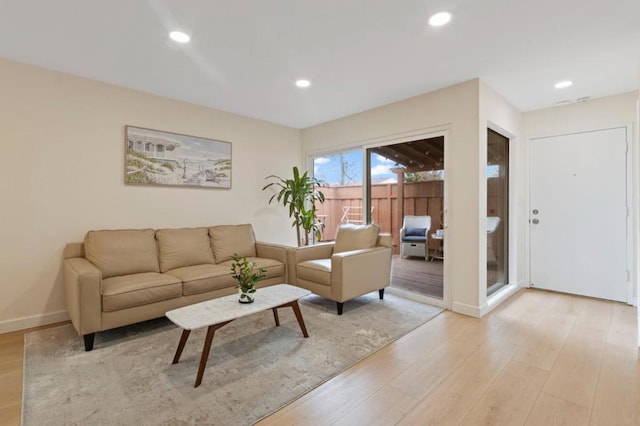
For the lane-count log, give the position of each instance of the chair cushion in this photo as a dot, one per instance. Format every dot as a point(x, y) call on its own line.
point(413, 239)
point(178, 248)
point(229, 239)
point(202, 278)
point(317, 271)
point(415, 232)
point(138, 289)
point(122, 252)
point(356, 237)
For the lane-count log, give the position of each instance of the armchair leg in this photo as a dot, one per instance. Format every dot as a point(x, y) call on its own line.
point(340, 306)
point(381, 293)
point(88, 341)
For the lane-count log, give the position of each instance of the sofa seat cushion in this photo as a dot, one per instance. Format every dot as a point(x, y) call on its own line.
point(138, 289)
point(183, 247)
point(202, 278)
point(318, 271)
point(273, 268)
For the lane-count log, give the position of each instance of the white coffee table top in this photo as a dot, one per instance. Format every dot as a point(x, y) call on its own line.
point(227, 308)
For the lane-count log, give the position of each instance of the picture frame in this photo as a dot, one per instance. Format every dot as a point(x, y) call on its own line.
point(155, 157)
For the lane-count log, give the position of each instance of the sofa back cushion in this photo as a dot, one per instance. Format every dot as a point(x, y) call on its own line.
point(178, 248)
point(356, 237)
point(122, 252)
point(229, 239)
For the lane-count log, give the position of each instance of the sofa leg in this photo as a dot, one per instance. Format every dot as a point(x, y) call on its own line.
point(88, 341)
point(340, 305)
point(381, 293)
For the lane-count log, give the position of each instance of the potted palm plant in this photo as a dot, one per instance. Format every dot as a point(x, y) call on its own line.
point(299, 194)
point(244, 271)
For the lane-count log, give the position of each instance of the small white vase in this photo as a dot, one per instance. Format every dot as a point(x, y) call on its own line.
point(245, 297)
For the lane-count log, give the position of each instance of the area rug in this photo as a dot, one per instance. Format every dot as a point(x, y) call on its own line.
point(254, 367)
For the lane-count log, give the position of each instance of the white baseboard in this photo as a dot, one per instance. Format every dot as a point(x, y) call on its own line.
point(469, 310)
point(23, 323)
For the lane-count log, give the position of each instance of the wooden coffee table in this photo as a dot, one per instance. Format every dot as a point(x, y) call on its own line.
point(217, 313)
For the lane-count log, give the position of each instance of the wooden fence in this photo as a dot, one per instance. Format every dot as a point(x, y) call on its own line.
point(419, 198)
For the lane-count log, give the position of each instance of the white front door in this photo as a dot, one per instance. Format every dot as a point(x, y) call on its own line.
point(578, 214)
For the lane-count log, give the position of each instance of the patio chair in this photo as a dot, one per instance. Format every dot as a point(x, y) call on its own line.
point(414, 239)
point(492, 225)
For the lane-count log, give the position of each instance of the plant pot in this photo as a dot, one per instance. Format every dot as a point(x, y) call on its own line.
point(246, 297)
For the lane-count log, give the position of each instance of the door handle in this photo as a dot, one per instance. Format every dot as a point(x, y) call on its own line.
point(535, 221)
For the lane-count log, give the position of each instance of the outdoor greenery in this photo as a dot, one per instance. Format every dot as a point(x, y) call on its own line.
point(423, 176)
point(299, 194)
point(244, 271)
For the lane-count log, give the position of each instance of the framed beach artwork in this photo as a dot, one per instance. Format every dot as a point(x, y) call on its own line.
point(154, 157)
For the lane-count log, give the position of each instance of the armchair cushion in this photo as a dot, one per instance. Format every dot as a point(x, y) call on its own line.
point(356, 237)
point(318, 271)
point(416, 232)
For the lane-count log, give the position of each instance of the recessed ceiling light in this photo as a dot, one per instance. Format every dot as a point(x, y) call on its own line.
point(563, 84)
point(439, 19)
point(303, 83)
point(179, 36)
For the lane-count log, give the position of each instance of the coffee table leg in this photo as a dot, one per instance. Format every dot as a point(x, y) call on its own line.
point(296, 310)
point(275, 316)
point(205, 354)
point(183, 341)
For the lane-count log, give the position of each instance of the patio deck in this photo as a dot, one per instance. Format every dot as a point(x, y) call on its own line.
point(416, 275)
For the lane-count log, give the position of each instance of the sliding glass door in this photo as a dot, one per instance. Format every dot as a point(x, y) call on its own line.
point(497, 211)
point(342, 174)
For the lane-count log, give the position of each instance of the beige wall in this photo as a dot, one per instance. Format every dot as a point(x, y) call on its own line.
point(454, 109)
point(610, 111)
point(61, 174)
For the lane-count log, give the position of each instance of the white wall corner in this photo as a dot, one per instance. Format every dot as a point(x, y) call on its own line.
point(469, 310)
point(23, 323)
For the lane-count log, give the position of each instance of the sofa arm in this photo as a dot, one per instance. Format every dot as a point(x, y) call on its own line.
point(276, 252)
point(272, 251)
point(318, 251)
point(357, 272)
point(296, 255)
point(82, 282)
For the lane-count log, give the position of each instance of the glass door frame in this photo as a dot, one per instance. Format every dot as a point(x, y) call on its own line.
point(512, 283)
point(445, 302)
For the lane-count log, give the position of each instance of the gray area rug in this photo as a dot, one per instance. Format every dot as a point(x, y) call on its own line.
point(254, 367)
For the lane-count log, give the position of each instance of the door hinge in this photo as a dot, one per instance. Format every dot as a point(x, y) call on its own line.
point(628, 276)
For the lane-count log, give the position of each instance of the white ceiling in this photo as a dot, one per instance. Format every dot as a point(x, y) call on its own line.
point(246, 54)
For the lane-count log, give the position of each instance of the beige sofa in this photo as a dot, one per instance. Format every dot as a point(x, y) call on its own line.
point(359, 262)
point(119, 277)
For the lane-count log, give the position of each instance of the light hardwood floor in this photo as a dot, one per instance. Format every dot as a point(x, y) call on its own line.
point(541, 358)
